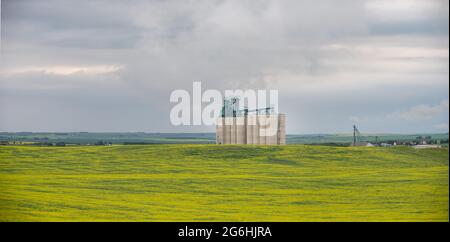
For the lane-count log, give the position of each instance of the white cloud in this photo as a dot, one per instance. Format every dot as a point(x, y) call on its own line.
point(442, 127)
point(354, 119)
point(399, 10)
point(422, 112)
point(64, 69)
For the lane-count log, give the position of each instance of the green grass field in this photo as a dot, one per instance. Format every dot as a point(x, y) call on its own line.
point(223, 183)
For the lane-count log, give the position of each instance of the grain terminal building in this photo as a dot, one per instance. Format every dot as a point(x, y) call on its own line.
point(257, 126)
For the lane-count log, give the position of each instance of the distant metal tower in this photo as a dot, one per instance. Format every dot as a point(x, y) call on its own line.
point(356, 135)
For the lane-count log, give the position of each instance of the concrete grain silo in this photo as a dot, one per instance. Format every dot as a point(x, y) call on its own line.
point(258, 126)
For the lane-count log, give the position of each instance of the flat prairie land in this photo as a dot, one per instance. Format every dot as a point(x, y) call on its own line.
point(223, 183)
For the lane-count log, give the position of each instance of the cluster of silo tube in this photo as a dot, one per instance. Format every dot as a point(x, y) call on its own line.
point(239, 127)
point(252, 129)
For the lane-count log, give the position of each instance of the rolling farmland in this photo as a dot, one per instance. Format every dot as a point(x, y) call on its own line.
point(195, 182)
point(85, 138)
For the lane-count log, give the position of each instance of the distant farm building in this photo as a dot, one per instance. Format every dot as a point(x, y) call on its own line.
point(256, 126)
point(427, 146)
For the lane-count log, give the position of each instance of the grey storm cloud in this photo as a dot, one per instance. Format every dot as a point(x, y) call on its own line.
point(111, 65)
point(69, 24)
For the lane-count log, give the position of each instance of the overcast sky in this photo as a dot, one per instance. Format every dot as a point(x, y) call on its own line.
point(111, 65)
